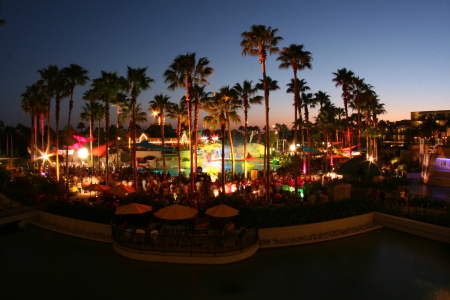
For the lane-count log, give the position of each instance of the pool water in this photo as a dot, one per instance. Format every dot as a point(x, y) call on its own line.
point(381, 264)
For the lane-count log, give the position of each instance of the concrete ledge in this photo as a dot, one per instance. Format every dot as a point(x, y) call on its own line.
point(314, 228)
point(78, 228)
point(222, 258)
point(25, 217)
point(425, 230)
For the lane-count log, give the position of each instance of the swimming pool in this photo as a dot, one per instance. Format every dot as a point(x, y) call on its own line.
point(380, 264)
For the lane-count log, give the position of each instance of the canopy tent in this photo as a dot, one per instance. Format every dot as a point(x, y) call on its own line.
point(306, 149)
point(222, 211)
point(147, 145)
point(95, 187)
point(359, 166)
point(251, 158)
point(81, 141)
point(101, 150)
point(176, 212)
point(132, 209)
point(121, 190)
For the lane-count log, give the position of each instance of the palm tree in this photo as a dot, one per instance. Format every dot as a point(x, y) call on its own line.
point(359, 95)
point(259, 41)
point(75, 75)
point(184, 71)
point(125, 114)
point(178, 112)
point(93, 111)
point(244, 93)
point(301, 87)
point(298, 59)
point(34, 102)
point(344, 78)
point(48, 77)
point(222, 110)
point(161, 104)
point(107, 87)
point(272, 85)
point(326, 120)
point(90, 113)
point(199, 99)
point(135, 82)
point(81, 126)
point(57, 85)
point(308, 101)
point(375, 108)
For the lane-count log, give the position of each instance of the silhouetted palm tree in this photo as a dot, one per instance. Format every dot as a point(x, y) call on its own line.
point(75, 75)
point(178, 112)
point(260, 41)
point(107, 88)
point(344, 78)
point(184, 71)
point(134, 83)
point(245, 92)
point(161, 104)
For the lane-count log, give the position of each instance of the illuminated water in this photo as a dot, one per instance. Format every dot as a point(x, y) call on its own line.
point(382, 264)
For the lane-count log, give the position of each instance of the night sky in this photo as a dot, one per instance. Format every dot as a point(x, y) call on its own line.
point(400, 47)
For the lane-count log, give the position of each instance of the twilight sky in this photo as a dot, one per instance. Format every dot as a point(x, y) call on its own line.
point(400, 47)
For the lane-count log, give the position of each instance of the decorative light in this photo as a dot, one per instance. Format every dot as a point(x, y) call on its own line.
point(83, 153)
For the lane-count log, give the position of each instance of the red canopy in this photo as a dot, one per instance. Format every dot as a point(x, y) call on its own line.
point(249, 157)
point(101, 150)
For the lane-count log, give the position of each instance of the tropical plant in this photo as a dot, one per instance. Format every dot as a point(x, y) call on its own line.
point(260, 41)
point(184, 71)
point(244, 93)
point(199, 99)
point(92, 111)
point(222, 109)
point(134, 83)
point(34, 102)
point(107, 88)
point(308, 101)
point(161, 104)
point(298, 59)
point(301, 87)
point(178, 112)
point(345, 79)
point(75, 75)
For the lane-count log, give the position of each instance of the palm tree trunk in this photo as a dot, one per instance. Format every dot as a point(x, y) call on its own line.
point(68, 128)
point(133, 141)
point(179, 146)
point(223, 159)
point(162, 143)
point(230, 139)
point(91, 135)
point(49, 130)
point(107, 142)
point(267, 149)
point(191, 148)
point(58, 100)
point(245, 136)
point(196, 114)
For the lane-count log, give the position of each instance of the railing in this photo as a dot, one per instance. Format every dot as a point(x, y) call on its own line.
point(186, 244)
point(13, 208)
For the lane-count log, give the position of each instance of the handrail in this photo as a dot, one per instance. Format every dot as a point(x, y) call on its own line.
point(185, 244)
